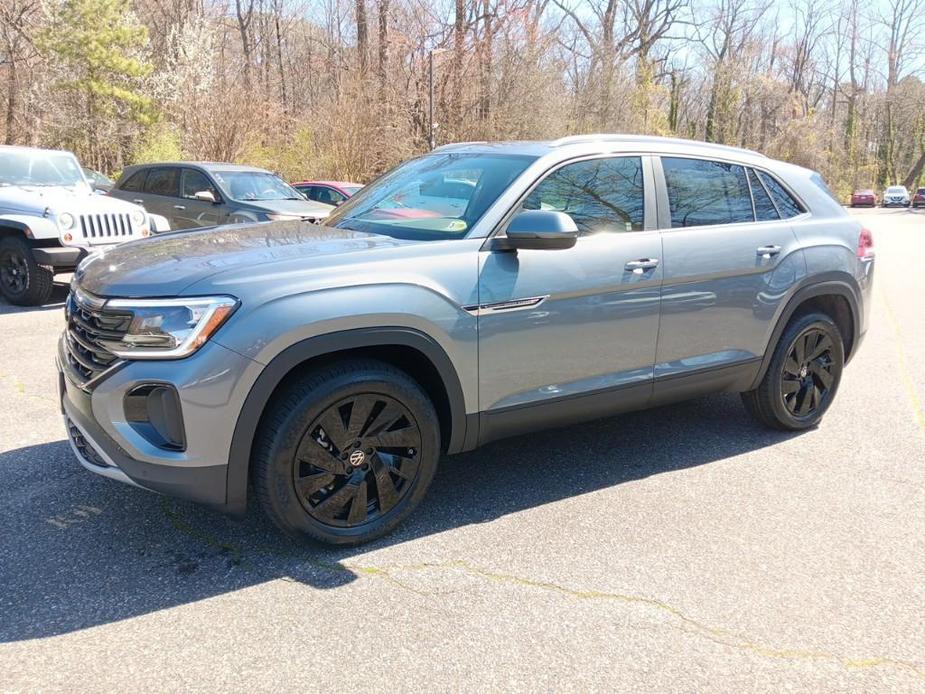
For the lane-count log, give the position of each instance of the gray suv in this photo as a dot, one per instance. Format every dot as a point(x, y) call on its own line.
point(480, 291)
point(199, 194)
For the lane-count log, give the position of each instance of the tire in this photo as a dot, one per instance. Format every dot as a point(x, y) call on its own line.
point(23, 281)
point(358, 481)
point(796, 392)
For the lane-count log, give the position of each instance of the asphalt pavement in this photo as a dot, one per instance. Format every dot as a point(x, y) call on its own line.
point(679, 549)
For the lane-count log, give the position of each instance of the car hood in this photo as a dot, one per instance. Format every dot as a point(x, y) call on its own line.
point(34, 200)
point(167, 264)
point(307, 208)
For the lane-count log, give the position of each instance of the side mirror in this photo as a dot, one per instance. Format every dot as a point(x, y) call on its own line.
point(204, 196)
point(539, 229)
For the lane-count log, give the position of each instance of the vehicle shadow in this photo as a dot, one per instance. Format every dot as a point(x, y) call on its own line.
point(54, 303)
point(80, 551)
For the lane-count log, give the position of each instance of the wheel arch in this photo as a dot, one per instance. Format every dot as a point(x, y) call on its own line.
point(836, 294)
point(411, 350)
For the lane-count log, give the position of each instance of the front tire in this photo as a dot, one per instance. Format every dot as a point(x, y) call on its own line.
point(346, 453)
point(23, 281)
point(803, 376)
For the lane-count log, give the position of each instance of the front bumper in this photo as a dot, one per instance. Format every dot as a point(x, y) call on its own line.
point(211, 385)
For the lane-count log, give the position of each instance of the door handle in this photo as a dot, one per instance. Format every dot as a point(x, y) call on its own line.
point(138, 201)
point(179, 207)
point(768, 251)
point(637, 267)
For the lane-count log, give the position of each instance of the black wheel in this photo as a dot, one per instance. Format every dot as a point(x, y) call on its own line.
point(803, 376)
point(346, 453)
point(23, 281)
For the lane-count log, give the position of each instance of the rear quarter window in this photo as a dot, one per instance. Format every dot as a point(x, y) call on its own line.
point(786, 203)
point(135, 182)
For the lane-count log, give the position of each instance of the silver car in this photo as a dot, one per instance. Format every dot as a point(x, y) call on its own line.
point(200, 194)
point(479, 291)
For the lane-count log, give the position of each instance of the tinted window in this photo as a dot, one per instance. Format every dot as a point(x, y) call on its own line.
point(163, 181)
point(135, 182)
point(599, 194)
point(764, 207)
point(195, 182)
point(704, 192)
point(785, 203)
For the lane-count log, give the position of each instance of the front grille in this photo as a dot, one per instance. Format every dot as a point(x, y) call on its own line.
point(105, 226)
point(91, 331)
point(84, 449)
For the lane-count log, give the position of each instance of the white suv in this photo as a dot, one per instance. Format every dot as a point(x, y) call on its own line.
point(896, 195)
point(50, 218)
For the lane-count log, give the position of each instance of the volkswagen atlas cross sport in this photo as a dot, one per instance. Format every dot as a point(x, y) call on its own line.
point(479, 291)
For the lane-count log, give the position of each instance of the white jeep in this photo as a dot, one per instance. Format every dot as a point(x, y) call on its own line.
point(50, 218)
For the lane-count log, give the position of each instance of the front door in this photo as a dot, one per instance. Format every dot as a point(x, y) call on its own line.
point(730, 256)
point(566, 335)
point(190, 213)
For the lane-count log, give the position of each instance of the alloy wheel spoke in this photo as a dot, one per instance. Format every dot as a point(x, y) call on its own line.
point(790, 387)
point(359, 413)
point(334, 429)
point(800, 350)
point(358, 510)
point(822, 346)
point(805, 402)
point(329, 508)
point(386, 417)
point(791, 366)
point(310, 484)
point(406, 437)
point(317, 455)
point(820, 372)
point(385, 487)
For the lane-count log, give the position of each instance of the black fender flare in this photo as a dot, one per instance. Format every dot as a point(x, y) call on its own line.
point(831, 283)
point(273, 373)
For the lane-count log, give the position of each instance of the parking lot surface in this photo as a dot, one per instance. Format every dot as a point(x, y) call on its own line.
point(679, 549)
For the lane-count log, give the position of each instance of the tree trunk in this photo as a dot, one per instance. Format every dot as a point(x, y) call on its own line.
point(459, 49)
point(11, 100)
point(362, 36)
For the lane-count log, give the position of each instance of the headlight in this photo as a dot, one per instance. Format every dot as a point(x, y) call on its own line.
point(66, 220)
point(169, 328)
point(274, 217)
point(139, 218)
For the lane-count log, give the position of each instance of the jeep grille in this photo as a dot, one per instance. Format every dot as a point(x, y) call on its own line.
point(103, 226)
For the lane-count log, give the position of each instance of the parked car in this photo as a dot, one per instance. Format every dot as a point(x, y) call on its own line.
point(896, 196)
point(329, 367)
point(329, 192)
point(101, 183)
point(200, 194)
point(50, 219)
point(918, 200)
point(866, 196)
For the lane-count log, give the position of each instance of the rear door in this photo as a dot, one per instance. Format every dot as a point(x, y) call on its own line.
point(162, 193)
point(566, 335)
point(730, 255)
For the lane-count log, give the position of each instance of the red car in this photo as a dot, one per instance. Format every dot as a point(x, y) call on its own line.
point(918, 200)
point(328, 192)
point(864, 197)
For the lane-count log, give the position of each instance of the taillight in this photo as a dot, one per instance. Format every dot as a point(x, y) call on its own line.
point(865, 244)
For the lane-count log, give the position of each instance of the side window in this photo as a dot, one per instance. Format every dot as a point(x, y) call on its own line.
point(329, 196)
point(135, 182)
point(163, 181)
point(785, 203)
point(195, 182)
point(702, 192)
point(765, 210)
point(601, 195)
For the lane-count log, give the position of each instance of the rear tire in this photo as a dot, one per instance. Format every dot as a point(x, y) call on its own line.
point(23, 281)
point(803, 376)
point(346, 453)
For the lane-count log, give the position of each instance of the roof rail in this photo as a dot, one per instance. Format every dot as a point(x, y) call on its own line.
point(611, 137)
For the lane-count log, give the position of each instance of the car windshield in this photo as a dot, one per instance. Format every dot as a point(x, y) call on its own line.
point(437, 196)
point(351, 190)
point(39, 168)
point(249, 186)
point(895, 189)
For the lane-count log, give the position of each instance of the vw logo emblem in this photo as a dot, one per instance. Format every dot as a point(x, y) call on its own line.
point(357, 458)
point(804, 372)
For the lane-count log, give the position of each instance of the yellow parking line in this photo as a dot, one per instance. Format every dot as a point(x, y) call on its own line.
point(905, 372)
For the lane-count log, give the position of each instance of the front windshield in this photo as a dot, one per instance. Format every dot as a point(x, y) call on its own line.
point(437, 196)
point(255, 185)
point(39, 168)
point(895, 189)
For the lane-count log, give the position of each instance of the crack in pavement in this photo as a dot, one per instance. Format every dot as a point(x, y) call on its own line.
point(718, 635)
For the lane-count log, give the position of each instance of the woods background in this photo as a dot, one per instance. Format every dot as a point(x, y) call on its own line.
point(339, 88)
